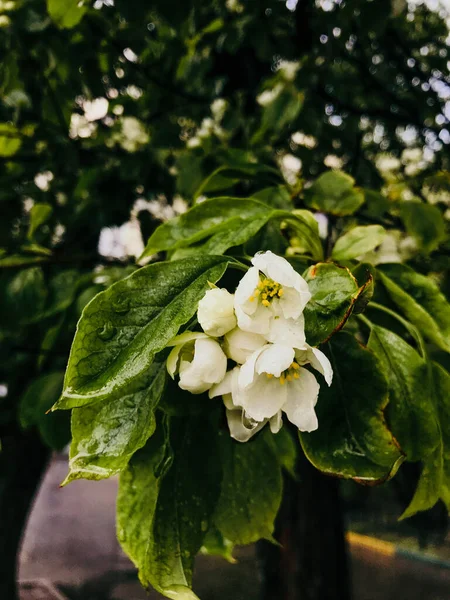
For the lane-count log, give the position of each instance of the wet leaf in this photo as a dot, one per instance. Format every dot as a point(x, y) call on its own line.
point(251, 489)
point(106, 434)
point(353, 439)
point(122, 328)
point(411, 413)
point(420, 300)
point(334, 193)
point(358, 241)
point(334, 291)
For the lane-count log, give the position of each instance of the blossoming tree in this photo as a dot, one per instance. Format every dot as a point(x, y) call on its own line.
point(288, 315)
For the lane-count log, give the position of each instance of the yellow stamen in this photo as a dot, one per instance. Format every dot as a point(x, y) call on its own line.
point(264, 296)
point(252, 298)
point(265, 303)
point(282, 380)
point(295, 366)
point(280, 292)
point(288, 377)
point(296, 375)
point(269, 375)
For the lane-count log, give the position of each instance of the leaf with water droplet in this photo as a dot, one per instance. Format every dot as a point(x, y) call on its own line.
point(107, 332)
point(106, 434)
point(163, 536)
point(113, 349)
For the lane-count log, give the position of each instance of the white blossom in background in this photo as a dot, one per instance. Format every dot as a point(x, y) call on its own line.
point(121, 242)
point(132, 135)
point(215, 312)
point(199, 361)
point(268, 96)
point(291, 167)
point(43, 180)
point(301, 139)
point(96, 109)
point(333, 162)
point(80, 127)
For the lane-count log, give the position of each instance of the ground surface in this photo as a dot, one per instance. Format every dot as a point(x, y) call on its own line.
point(70, 552)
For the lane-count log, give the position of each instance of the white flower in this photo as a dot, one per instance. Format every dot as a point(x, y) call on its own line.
point(216, 312)
point(273, 380)
point(270, 299)
point(239, 345)
point(241, 426)
point(198, 359)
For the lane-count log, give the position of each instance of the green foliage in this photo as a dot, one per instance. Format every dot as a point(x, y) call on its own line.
point(124, 327)
point(246, 510)
point(163, 517)
point(357, 242)
point(34, 410)
point(134, 112)
point(335, 193)
point(353, 440)
point(334, 292)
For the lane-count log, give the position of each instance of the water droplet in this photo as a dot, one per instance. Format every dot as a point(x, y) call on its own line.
point(108, 332)
point(121, 305)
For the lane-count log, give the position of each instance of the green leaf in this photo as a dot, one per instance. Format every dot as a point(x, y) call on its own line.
point(276, 197)
point(364, 273)
point(358, 241)
point(22, 296)
point(424, 223)
point(353, 439)
point(215, 544)
point(334, 291)
point(237, 232)
point(10, 140)
point(286, 448)
point(375, 204)
point(204, 220)
point(122, 328)
point(305, 231)
point(18, 260)
point(334, 193)
point(420, 300)
point(34, 404)
point(162, 522)
point(279, 113)
point(66, 13)
point(251, 489)
point(106, 434)
point(434, 481)
point(411, 413)
point(39, 214)
point(441, 381)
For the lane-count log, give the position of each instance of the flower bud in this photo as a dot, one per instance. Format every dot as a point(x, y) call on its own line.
point(216, 312)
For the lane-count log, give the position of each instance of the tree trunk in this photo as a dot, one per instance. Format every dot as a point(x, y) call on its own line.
point(311, 563)
point(23, 458)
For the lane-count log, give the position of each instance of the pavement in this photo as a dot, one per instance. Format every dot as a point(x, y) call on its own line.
point(70, 552)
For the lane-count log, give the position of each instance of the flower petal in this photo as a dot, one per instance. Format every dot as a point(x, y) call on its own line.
point(208, 366)
point(263, 399)
point(224, 386)
point(238, 430)
point(274, 359)
point(289, 332)
point(215, 312)
point(321, 363)
point(244, 291)
point(302, 397)
point(247, 371)
point(239, 344)
point(257, 322)
point(276, 422)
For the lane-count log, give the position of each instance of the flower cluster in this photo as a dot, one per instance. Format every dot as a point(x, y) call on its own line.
point(261, 329)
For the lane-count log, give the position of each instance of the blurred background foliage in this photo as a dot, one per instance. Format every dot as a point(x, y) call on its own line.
point(116, 115)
